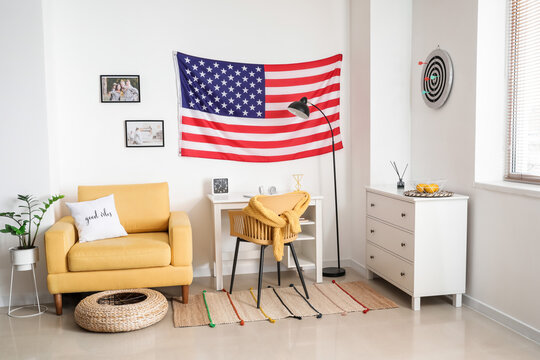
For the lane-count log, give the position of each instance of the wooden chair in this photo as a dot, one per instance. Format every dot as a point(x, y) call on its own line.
point(248, 229)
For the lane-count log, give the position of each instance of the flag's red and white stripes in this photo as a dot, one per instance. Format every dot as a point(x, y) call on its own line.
point(279, 135)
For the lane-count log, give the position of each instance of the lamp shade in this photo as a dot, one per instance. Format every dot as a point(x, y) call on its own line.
point(300, 108)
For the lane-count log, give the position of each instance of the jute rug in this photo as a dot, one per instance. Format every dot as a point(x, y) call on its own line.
point(277, 303)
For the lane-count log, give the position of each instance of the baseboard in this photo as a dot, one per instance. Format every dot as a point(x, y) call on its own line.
point(502, 318)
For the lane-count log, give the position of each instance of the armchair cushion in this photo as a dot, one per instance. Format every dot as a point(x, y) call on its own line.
point(135, 251)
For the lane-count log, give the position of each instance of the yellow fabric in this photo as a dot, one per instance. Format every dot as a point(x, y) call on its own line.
point(258, 211)
point(141, 208)
point(58, 240)
point(140, 250)
point(84, 281)
point(180, 239)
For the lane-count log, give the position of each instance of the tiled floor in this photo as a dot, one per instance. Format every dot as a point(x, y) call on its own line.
point(438, 331)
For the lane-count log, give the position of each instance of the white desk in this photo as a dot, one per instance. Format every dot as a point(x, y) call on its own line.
point(308, 245)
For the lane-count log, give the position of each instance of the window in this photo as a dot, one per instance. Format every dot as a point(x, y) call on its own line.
point(523, 141)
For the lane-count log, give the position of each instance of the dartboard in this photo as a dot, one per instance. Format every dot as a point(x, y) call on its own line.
point(437, 77)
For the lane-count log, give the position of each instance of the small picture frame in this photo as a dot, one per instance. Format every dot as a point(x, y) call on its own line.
point(220, 186)
point(144, 133)
point(120, 88)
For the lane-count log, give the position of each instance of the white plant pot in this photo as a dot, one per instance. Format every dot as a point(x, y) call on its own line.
point(23, 259)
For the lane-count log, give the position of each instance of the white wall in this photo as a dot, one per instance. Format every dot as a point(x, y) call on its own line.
point(503, 246)
point(86, 39)
point(23, 132)
point(390, 88)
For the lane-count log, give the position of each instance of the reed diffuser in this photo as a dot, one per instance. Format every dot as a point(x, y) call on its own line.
point(400, 183)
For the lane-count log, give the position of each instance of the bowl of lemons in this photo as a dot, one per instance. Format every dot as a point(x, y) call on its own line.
point(428, 188)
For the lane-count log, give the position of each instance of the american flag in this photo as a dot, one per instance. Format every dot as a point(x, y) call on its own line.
point(238, 111)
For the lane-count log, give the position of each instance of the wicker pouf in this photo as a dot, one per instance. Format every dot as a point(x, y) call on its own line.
point(121, 310)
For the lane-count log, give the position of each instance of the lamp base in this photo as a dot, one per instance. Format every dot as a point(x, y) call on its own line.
point(333, 271)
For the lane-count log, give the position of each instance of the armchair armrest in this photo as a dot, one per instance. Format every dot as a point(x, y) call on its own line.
point(58, 240)
point(180, 239)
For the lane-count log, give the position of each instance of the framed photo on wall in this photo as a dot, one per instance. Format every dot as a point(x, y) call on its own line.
point(120, 88)
point(145, 133)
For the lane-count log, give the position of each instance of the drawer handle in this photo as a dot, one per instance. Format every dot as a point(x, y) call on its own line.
point(402, 274)
point(403, 244)
point(372, 231)
point(403, 214)
point(372, 205)
point(372, 257)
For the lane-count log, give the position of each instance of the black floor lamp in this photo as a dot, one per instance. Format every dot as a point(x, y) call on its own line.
point(301, 109)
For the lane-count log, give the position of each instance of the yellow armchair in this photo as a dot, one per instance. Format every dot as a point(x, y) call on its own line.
point(157, 251)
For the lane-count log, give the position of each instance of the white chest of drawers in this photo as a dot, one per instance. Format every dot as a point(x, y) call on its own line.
point(417, 244)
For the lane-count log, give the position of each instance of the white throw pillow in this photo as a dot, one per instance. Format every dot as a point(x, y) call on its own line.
point(96, 219)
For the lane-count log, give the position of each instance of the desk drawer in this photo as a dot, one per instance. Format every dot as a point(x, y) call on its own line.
point(397, 212)
point(393, 239)
point(395, 269)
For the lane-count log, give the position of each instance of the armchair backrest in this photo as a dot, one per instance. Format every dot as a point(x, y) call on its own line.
point(140, 207)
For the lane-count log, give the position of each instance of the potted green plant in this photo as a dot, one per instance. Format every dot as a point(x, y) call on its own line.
point(26, 254)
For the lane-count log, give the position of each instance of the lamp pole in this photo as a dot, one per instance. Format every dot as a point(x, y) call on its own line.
point(333, 271)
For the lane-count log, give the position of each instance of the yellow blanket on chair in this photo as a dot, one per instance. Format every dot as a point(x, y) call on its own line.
point(278, 221)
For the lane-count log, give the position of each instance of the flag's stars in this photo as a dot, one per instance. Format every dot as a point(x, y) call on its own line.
point(238, 83)
point(258, 69)
point(251, 107)
point(210, 81)
point(237, 73)
point(259, 79)
point(245, 90)
point(192, 104)
point(251, 73)
point(216, 65)
point(259, 91)
point(231, 111)
point(216, 87)
point(195, 67)
point(237, 95)
point(209, 69)
point(231, 89)
point(238, 106)
point(223, 71)
point(188, 71)
point(259, 102)
point(251, 85)
point(201, 62)
point(245, 101)
point(224, 105)
point(203, 85)
point(197, 100)
point(204, 107)
point(230, 67)
point(259, 114)
point(210, 92)
point(223, 93)
point(244, 113)
point(216, 110)
point(196, 89)
point(244, 78)
point(190, 82)
point(244, 68)
point(210, 103)
point(217, 98)
point(195, 78)
point(231, 100)
point(252, 96)
point(203, 96)
point(223, 82)
point(187, 60)
point(216, 76)
point(231, 78)
point(203, 74)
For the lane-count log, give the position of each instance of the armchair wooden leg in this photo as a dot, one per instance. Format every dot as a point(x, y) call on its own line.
point(58, 303)
point(185, 294)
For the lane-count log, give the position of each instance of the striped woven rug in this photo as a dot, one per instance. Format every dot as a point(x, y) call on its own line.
point(219, 307)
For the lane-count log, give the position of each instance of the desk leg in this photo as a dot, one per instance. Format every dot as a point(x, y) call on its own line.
point(218, 265)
